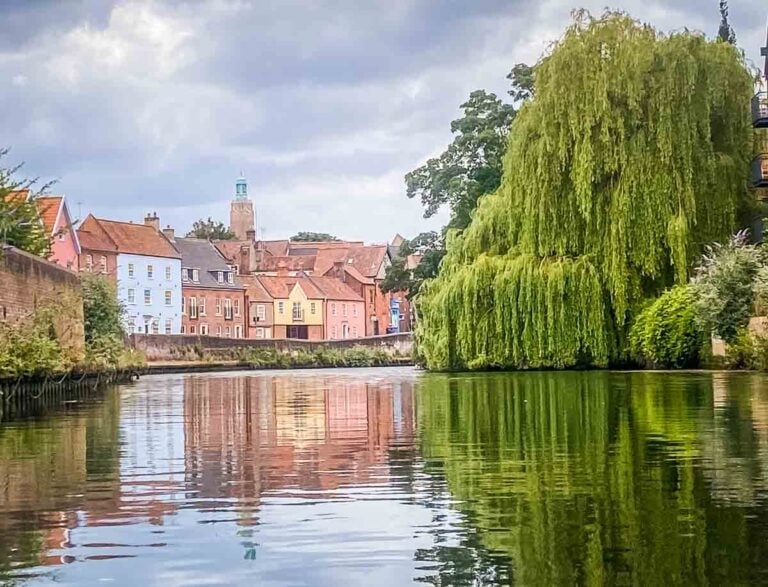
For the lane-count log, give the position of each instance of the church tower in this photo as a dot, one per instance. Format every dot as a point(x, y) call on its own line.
point(241, 214)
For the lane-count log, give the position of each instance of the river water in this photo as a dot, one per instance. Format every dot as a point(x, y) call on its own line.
point(391, 476)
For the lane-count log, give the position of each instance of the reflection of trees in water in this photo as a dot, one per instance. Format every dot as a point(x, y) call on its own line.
point(590, 477)
point(50, 468)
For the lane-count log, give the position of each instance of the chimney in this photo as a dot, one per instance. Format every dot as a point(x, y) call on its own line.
point(250, 235)
point(153, 221)
point(169, 233)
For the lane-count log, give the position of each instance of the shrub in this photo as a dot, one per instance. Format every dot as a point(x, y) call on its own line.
point(724, 286)
point(101, 310)
point(30, 348)
point(667, 332)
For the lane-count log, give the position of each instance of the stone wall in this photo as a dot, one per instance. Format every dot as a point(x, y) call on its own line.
point(28, 282)
point(161, 347)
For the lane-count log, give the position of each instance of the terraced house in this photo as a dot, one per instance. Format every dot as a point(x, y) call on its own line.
point(145, 266)
point(213, 299)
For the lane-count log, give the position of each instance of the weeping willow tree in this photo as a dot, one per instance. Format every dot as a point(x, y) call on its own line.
point(633, 154)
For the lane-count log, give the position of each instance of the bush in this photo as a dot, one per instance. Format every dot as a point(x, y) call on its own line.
point(724, 286)
point(748, 350)
point(667, 333)
point(30, 348)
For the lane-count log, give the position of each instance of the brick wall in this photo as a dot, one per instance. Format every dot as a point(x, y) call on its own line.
point(160, 347)
point(28, 282)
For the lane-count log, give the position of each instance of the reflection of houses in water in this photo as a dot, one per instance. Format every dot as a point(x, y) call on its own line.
point(249, 435)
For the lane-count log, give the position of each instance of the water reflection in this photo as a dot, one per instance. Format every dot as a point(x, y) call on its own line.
point(385, 477)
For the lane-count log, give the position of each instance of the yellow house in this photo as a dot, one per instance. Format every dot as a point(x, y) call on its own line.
point(298, 307)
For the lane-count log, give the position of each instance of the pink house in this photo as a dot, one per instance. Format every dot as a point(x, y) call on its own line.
point(55, 216)
point(344, 309)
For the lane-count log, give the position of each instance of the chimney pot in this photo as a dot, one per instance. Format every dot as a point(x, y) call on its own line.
point(153, 221)
point(169, 232)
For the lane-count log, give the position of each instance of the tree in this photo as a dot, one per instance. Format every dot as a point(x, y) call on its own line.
point(725, 32)
point(317, 237)
point(211, 230)
point(522, 79)
point(20, 224)
point(611, 185)
point(471, 165)
point(400, 276)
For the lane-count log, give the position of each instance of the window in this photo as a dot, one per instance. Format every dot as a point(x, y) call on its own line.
point(168, 272)
point(370, 295)
point(131, 296)
point(281, 307)
point(312, 308)
point(236, 302)
point(193, 308)
point(333, 332)
point(131, 325)
point(220, 276)
point(150, 271)
point(354, 310)
point(227, 309)
point(89, 262)
point(131, 270)
point(185, 274)
point(168, 297)
point(183, 305)
point(183, 329)
point(230, 277)
point(333, 309)
point(155, 327)
point(201, 306)
point(147, 297)
point(227, 332)
point(168, 325)
point(218, 306)
point(238, 331)
point(259, 333)
point(196, 275)
point(218, 330)
point(261, 312)
point(354, 331)
point(103, 263)
point(297, 313)
point(192, 329)
point(204, 329)
point(343, 309)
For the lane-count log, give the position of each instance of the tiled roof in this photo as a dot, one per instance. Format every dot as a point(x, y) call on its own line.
point(230, 249)
point(280, 287)
point(202, 255)
point(126, 237)
point(93, 237)
point(254, 289)
point(278, 248)
point(350, 269)
point(327, 258)
point(298, 263)
point(335, 289)
point(367, 259)
point(48, 208)
point(17, 195)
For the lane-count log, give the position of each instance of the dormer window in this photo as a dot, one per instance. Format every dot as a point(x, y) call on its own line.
point(195, 275)
point(220, 276)
point(185, 275)
point(230, 277)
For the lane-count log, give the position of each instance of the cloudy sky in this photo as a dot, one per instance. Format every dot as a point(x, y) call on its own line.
point(138, 105)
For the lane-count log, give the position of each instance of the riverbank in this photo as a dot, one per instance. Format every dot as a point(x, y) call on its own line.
point(180, 367)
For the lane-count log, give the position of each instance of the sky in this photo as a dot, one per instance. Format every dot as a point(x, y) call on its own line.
point(134, 106)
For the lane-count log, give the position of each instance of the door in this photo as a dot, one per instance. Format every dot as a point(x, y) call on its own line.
point(345, 330)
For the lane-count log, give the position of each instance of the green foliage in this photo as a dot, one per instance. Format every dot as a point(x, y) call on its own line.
point(429, 249)
point(20, 225)
point(356, 356)
point(210, 230)
point(471, 165)
point(317, 237)
point(667, 333)
point(522, 78)
point(724, 285)
point(30, 348)
point(102, 311)
point(610, 188)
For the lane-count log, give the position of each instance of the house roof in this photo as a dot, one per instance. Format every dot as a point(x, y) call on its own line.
point(17, 195)
point(230, 249)
point(367, 259)
point(255, 290)
point(350, 269)
point(277, 248)
point(335, 289)
point(280, 287)
point(54, 212)
point(297, 263)
point(125, 237)
point(326, 259)
point(202, 255)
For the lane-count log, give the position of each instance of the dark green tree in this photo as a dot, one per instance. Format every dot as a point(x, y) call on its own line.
point(211, 230)
point(316, 237)
point(725, 32)
point(471, 165)
point(426, 252)
point(522, 80)
point(20, 224)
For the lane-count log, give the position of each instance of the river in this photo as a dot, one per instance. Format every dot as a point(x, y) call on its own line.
point(392, 476)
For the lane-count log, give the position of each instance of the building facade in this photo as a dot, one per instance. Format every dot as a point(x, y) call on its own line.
point(242, 215)
point(57, 221)
point(260, 315)
point(297, 307)
point(213, 299)
point(146, 268)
